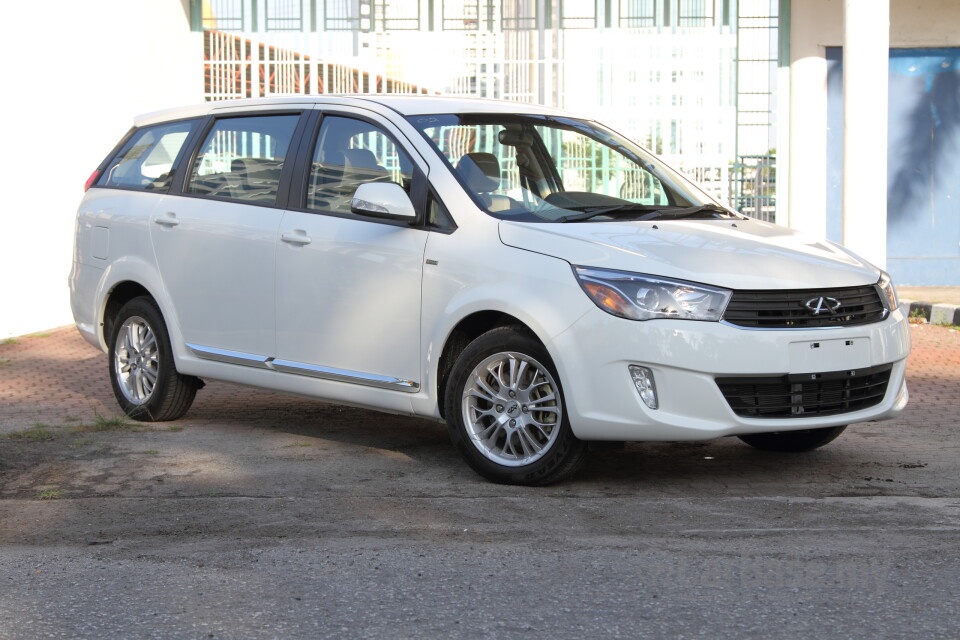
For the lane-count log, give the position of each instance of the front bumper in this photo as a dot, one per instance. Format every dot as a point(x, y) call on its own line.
point(686, 357)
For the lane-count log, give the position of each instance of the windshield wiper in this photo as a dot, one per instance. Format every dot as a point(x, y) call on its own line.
point(594, 212)
point(688, 212)
point(654, 213)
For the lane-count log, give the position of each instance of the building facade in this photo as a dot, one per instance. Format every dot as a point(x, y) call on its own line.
point(664, 72)
point(904, 212)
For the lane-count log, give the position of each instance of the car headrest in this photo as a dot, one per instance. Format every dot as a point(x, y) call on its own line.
point(360, 159)
point(481, 171)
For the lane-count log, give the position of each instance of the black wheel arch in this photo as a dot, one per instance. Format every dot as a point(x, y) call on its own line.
point(466, 331)
point(121, 294)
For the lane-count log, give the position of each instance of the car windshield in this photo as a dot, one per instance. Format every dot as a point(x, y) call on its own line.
point(557, 169)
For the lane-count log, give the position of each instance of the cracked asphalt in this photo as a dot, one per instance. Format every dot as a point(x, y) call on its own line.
point(265, 516)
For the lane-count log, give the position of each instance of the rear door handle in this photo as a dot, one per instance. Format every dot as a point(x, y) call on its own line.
point(169, 219)
point(297, 237)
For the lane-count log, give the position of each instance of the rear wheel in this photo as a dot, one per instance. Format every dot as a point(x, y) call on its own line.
point(145, 380)
point(803, 440)
point(505, 409)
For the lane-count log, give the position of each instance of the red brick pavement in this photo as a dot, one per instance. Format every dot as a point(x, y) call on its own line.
point(56, 378)
point(933, 376)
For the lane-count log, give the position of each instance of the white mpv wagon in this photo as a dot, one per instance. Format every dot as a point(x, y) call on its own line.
point(534, 279)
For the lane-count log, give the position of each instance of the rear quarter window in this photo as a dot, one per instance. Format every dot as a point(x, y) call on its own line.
point(147, 160)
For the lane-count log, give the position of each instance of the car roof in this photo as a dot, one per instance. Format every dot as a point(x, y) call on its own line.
point(406, 105)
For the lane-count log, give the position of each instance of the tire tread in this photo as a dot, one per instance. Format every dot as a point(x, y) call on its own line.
point(174, 392)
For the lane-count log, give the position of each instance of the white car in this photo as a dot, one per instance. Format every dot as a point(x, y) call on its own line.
point(534, 279)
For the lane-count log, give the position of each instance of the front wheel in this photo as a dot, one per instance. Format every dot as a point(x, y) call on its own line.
point(505, 409)
point(145, 380)
point(802, 440)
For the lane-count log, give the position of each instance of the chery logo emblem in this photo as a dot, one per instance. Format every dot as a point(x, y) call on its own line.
point(818, 306)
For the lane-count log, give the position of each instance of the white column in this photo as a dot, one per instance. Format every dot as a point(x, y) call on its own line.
point(866, 51)
point(813, 25)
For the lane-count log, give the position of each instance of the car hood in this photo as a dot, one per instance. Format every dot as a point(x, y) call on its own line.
point(741, 254)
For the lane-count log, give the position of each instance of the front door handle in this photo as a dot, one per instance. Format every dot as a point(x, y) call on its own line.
point(169, 219)
point(298, 236)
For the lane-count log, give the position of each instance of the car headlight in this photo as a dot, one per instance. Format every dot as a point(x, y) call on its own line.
point(640, 297)
point(885, 285)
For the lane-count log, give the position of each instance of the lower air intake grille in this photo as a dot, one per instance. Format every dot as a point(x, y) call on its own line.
point(806, 395)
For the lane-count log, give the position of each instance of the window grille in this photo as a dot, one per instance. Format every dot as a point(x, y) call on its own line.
point(222, 15)
point(578, 14)
point(695, 13)
point(284, 15)
point(754, 179)
point(341, 15)
point(516, 15)
point(461, 15)
point(638, 13)
point(396, 15)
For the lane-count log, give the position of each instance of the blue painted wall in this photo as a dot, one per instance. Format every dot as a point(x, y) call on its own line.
point(923, 163)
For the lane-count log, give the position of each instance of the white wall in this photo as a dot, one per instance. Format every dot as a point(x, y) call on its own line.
point(74, 75)
point(816, 25)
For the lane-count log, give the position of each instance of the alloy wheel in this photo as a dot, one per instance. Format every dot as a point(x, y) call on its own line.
point(137, 360)
point(512, 409)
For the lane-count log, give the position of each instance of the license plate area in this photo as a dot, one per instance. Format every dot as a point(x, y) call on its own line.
point(829, 355)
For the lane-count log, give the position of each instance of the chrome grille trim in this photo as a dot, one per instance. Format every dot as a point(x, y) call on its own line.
point(784, 309)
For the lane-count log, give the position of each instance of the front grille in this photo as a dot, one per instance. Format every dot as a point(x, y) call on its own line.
point(786, 309)
point(806, 395)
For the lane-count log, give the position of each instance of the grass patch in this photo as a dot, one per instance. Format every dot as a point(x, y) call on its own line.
point(113, 422)
point(40, 335)
point(916, 317)
point(11, 341)
point(3, 362)
point(69, 418)
point(37, 433)
point(174, 427)
point(150, 452)
point(297, 444)
point(49, 494)
point(82, 442)
point(947, 325)
point(102, 423)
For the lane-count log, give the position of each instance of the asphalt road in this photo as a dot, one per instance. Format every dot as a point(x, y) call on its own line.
point(262, 516)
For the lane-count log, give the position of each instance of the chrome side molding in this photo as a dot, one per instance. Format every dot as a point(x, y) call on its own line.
point(343, 375)
point(303, 369)
point(230, 357)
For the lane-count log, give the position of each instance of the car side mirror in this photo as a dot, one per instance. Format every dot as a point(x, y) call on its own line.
point(383, 200)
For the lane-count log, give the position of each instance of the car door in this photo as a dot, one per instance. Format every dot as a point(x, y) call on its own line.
point(348, 285)
point(215, 242)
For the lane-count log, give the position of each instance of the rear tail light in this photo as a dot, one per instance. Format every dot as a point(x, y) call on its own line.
point(92, 179)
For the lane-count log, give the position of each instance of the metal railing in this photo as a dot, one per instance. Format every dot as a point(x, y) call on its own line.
point(237, 67)
point(753, 186)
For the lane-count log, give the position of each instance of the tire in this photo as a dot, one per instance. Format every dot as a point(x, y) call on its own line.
point(144, 377)
point(794, 441)
point(506, 414)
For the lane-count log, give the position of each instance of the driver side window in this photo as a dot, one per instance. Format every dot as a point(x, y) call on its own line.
point(348, 153)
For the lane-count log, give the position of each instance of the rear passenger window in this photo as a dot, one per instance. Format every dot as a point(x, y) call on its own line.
point(146, 160)
point(242, 158)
